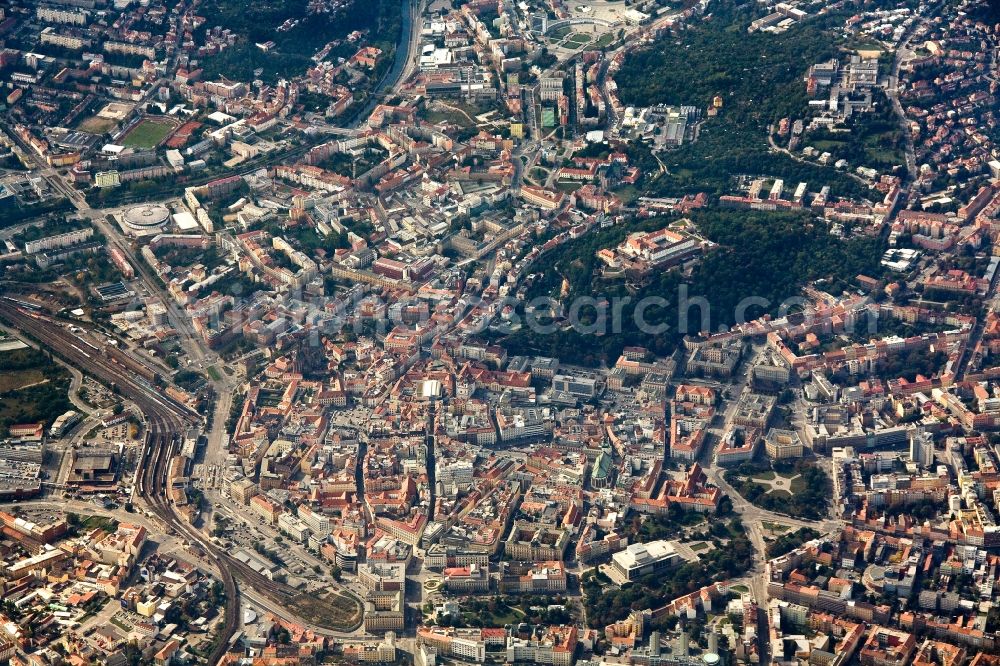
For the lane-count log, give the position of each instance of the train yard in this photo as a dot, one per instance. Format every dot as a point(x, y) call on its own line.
point(166, 421)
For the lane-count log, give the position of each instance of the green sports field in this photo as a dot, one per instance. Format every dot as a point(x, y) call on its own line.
point(148, 133)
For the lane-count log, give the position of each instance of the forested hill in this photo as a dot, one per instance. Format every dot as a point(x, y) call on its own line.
point(760, 78)
point(761, 255)
point(256, 22)
point(758, 75)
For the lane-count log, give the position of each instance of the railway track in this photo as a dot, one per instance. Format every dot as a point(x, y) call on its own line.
point(158, 451)
point(166, 421)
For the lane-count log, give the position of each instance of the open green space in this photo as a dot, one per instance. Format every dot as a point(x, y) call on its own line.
point(807, 496)
point(90, 523)
point(670, 525)
point(759, 77)
point(490, 614)
point(149, 133)
point(606, 604)
point(33, 388)
point(175, 255)
point(497, 611)
point(558, 34)
point(443, 115)
point(769, 256)
point(774, 527)
point(602, 41)
point(241, 61)
point(11, 381)
point(568, 186)
point(96, 125)
point(779, 483)
point(539, 174)
point(577, 40)
point(309, 32)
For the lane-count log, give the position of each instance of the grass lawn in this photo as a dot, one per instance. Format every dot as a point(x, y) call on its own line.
point(147, 134)
point(864, 43)
point(786, 483)
point(568, 186)
point(453, 117)
point(32, 388)
point(742, 589)
point(780, 493)
point(96, 125)
point(98, 522)
point(827, 145)
point(214, 373)
point(577, 40)
point(774, 527)
point(879, 154)
point(476, 110)
point(503, 615)
point(11, 381)
point(603, 40)
point(874, 146)
point(627, 194)
point(699, 546)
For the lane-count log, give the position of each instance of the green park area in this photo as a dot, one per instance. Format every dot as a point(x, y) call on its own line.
point(304, 33)
point(576, 40)
point(761, 254)
point(759, 78)
point(33, 388)
point(148, 133)
point(731, 557)
point(765, 255)
point(800, 490)
point(96, 125)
